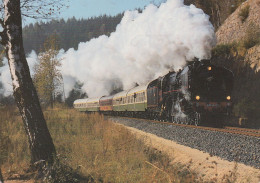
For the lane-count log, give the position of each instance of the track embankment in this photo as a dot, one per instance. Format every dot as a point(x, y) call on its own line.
point(213, 154)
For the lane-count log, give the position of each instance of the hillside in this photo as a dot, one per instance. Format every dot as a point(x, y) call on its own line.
point(237, 25)
point(244, 25)
point(238, 48)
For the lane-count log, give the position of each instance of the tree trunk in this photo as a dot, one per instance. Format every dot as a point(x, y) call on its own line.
point(40, 141)
point(1, 177)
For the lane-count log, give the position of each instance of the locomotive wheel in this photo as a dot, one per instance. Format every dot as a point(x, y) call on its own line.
point(186, 120)
point(197, 119)
point(178, 120)
point(172, 119)
point(189, 121)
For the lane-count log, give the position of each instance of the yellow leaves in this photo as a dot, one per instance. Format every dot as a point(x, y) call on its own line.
point(47, 76)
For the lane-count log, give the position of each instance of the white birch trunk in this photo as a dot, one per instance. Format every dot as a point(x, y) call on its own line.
point(40, 141)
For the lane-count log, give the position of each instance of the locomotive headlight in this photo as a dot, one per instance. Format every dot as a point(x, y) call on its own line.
point(209, 68)
point(228, 97)
point(197, 97)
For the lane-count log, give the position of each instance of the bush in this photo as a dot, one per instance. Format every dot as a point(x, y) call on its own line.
point(252, 37)
point(235, 5)
point(244, 12)
point(247, 108)
point(222, 49)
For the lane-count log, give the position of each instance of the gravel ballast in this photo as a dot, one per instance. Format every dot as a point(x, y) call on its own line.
point(232, 147)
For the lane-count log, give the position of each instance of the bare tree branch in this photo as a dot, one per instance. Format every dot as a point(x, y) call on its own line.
point(40, 9)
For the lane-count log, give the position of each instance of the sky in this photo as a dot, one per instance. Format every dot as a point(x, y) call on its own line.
point(91, 8)
point(88, 8)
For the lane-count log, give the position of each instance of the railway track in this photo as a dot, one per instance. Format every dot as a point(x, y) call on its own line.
point(226, 129)
point(230, 143)
point(254, 132)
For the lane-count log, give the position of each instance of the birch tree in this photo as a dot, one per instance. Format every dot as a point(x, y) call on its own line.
point(40, 142)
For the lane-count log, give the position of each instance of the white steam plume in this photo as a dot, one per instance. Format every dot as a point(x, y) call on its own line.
point(144, 46)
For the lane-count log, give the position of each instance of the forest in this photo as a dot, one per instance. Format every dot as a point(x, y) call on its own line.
point(70, 32)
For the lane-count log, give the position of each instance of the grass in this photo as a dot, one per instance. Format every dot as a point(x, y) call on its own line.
point(244, 13)
point(252, 37)
point(91, 147)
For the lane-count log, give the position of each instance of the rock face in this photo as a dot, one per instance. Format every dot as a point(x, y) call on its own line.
point(253, 57)
point(234, 29)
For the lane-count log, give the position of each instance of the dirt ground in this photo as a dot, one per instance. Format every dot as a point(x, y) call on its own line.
point(209, 168)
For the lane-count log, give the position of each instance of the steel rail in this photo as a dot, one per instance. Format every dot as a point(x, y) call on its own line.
point(232, 130)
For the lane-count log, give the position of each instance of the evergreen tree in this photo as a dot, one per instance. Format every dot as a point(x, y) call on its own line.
point(69, 36)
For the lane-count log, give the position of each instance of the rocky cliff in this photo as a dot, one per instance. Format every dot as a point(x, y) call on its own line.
point(242, 25)
point(234, 29)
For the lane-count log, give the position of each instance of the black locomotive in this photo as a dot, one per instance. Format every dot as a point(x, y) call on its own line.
point(199, 92)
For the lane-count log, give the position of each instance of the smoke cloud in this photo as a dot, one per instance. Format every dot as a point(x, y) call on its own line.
point(5, 77)
point(144, 46)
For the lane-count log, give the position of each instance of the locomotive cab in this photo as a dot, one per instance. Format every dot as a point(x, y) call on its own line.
point(211, 88)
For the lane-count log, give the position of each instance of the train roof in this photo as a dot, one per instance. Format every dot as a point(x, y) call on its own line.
point(120, 94)
point(107, 97)
point(80, 101)
point(138, 89)
point(92, 100)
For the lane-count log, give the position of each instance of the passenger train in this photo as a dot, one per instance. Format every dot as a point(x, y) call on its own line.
point(198, 93)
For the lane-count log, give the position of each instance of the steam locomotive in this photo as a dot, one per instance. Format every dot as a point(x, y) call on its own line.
point(197, 93)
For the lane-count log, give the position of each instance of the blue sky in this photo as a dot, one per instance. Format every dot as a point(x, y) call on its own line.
point(88, 8)
point(92, 8)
